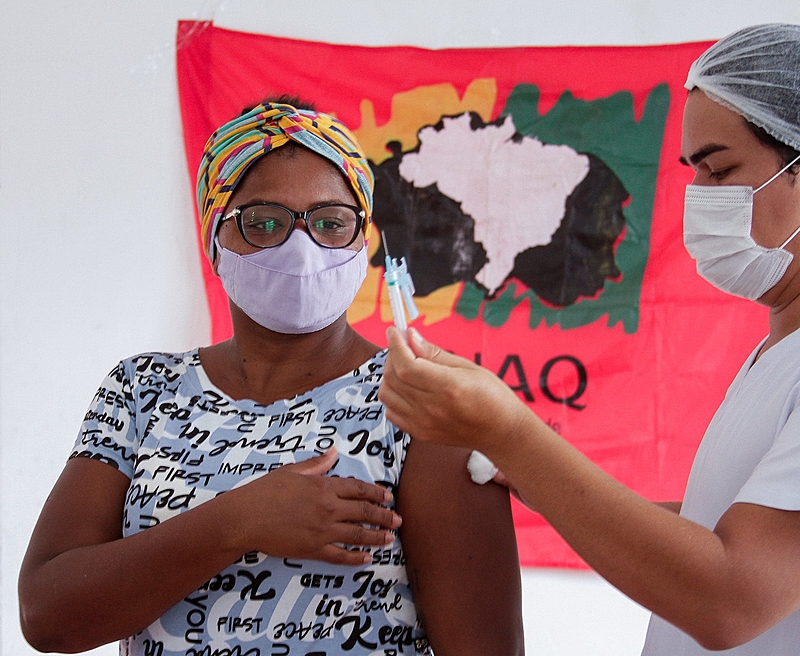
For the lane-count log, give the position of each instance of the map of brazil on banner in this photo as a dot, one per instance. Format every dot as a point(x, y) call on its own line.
point(537, 197)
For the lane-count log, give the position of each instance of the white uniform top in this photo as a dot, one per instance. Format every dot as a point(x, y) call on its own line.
point(750, 454)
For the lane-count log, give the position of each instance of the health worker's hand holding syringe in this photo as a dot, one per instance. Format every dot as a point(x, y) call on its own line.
point(401, 297)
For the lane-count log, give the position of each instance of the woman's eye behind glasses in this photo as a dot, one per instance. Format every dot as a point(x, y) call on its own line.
point(266, 226)
point(333, 224)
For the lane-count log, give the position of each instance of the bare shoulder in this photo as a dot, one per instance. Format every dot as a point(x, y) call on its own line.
point(461, 554)
point(436, 490)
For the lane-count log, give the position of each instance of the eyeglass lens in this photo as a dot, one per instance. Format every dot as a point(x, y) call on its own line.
point(333, 226)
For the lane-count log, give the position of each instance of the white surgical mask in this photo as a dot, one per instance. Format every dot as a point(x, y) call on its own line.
point(297, 287)
point(717, 221)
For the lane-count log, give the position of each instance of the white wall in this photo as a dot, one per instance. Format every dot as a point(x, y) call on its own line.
point(97, 248)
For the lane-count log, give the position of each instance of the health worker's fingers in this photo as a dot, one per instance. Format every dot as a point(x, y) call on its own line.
point(412, 386)
point(403, 371)
point(402, 392)
point(501, 479)
point(428, 351)
point(416, 346)
point(446, 399)
point(406, 372)
point(397, 340)
point(421, 347)
point(399, 410)
point(399, 349)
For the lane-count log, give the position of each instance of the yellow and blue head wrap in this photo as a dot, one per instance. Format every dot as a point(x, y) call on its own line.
point(236, 145)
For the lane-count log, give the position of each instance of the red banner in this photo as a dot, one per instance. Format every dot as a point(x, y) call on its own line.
point(537, 197)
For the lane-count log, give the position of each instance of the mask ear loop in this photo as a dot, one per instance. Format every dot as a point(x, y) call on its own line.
point(795, 233)
point(779, 173)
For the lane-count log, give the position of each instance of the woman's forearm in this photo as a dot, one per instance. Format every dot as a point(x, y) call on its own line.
point(82, 584)
point(691, 576)
point(94, 594)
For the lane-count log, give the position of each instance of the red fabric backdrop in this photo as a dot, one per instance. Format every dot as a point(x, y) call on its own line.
point(650, 383)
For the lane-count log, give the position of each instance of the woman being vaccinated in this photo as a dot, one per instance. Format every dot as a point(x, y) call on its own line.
point(239, 499)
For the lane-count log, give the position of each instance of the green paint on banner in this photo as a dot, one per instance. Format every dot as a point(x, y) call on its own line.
point(607, 129)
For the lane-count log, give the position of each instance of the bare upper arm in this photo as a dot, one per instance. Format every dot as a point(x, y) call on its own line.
point(84, 508)
point(763, 550)
point(461, 554)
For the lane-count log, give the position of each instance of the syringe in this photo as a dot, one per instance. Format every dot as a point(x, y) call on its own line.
point(401, 288)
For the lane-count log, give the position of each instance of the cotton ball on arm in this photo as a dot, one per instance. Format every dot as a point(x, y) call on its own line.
point(481, 469)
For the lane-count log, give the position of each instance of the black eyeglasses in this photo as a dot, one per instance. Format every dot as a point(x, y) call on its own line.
point(266, 225)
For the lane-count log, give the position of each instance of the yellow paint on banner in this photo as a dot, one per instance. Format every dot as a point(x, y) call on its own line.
point(410, 112)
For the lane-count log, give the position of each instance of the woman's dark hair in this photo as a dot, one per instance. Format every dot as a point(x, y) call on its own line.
point(283, 99)
point(786, 153)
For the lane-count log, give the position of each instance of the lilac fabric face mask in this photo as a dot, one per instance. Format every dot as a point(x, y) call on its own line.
point(295, 288)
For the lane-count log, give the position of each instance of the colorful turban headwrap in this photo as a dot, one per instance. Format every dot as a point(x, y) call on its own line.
point(233, 147)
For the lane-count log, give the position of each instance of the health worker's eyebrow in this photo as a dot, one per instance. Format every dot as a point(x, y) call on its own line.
point(701, 154)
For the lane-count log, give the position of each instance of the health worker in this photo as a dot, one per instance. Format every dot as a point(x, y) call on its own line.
point(723, 571)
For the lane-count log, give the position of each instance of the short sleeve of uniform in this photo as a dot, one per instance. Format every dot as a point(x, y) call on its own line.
point(108, 431)
point(775, 482)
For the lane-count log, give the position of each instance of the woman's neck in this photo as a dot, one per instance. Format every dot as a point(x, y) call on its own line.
point(265, 366)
